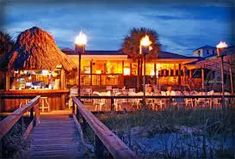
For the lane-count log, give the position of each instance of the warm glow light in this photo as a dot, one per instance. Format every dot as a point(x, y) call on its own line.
point(221, 45)
point(81, 39)
point(152, 73)
point(45, 72)
point(127, 71)
point(87, 71)
point(98, 71)
point(145, 41)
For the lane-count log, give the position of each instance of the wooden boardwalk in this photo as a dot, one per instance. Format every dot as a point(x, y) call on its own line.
point(55, 137)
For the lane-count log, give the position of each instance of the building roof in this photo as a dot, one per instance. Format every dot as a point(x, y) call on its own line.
point(170, 55)
point(95, 52)
point(205, 47)
point(162, 55)
point(36, 49)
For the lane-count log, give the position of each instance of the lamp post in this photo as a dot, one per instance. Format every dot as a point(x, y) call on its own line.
point(80, 43)
point(144, 49)
point(220, 47)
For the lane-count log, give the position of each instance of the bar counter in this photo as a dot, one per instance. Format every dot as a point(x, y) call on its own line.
point(55, 98)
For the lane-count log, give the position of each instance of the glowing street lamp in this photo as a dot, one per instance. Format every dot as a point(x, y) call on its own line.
point(144, 49)
point(220, 47)
point(145, 41)
point(81, 39)
point(80, 43)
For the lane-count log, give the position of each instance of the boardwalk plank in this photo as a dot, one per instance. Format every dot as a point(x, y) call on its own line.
point(55, 137)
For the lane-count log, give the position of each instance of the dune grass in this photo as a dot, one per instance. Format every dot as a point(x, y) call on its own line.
point(200, 127)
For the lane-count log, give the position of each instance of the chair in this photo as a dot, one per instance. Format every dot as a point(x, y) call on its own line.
point(115, 90)
point(163, 93)
point(72, 93)
point(159, 104)
point(99, 103)
point(150, 101)
point(133, 101)
point(117, 102)
point(44, 104)
point(131, 89)
point(87, 92)
point(188, 101)
point(25, 101)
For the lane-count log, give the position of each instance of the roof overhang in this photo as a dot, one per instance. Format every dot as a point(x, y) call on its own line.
point(181, 61)
point(214, 63)
point(101, 57)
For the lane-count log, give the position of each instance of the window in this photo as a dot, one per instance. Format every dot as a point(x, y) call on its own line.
point(199, 53)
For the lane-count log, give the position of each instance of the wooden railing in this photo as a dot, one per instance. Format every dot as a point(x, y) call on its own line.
point(7, 123)
point(11, 102)
point(111, 98)
point(103, 136)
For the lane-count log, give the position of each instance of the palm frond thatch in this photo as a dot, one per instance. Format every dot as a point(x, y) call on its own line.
point(36, 49)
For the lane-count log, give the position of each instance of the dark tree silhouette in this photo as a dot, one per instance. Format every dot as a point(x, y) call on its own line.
point(131, 43)
point(6, 45)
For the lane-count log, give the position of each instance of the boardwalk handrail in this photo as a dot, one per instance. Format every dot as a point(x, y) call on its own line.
point(112, 98)
point(7, 123)
point(3, 96)
point(113, 143)
point(158, 96)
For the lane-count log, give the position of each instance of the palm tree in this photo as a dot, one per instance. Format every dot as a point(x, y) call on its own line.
point(131, 47)
point(6, 45)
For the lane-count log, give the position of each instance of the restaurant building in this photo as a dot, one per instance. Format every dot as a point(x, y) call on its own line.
point(113, 68)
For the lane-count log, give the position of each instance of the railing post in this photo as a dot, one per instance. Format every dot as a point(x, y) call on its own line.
point(99, 148)
point(73, 107)
point(77, 112)
point(37, 114)
point(112, 104)
point(31, 114)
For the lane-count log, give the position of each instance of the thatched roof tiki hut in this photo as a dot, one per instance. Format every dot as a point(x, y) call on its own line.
point(38, 67)
point(36, 50)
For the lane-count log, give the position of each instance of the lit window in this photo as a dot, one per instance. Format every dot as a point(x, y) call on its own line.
point(127, 71)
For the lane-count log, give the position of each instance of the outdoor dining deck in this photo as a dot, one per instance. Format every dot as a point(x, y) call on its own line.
point(130, 100)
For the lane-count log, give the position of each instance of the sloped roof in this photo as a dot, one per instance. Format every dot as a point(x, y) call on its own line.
point(205, 47)
point(170, 55)
point(93, 52)
point(162, 55)
point(36, 49)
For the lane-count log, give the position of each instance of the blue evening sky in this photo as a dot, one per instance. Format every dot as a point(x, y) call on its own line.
point(181, 27)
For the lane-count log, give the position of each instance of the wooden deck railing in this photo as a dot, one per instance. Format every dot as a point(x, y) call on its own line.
point(103, 135)
point(111, 98)
point(7, 123)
